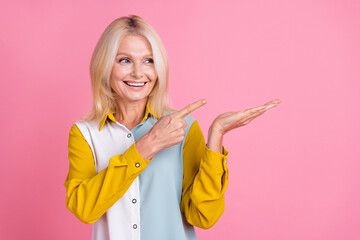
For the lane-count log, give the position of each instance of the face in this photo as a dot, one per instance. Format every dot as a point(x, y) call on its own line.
point(133, 74)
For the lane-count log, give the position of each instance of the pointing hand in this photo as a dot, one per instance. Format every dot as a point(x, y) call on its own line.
point(168, 131)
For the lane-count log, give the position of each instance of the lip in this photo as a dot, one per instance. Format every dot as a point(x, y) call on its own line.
point(134, 83)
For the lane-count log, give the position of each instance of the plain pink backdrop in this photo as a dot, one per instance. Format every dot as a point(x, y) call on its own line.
point(294, 172)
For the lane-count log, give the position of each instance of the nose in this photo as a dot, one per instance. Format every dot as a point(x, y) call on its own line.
point(137, 70)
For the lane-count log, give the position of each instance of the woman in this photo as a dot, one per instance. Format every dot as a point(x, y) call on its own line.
point(139, 170)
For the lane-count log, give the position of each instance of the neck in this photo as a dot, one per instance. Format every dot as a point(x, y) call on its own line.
point(130, 114)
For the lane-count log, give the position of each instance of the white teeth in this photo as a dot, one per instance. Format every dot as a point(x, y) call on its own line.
point(135, 84)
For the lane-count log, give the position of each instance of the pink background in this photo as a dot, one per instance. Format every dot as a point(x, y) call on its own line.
point(294, 172)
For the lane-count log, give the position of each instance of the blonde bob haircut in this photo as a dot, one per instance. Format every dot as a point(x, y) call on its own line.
point(103, 59)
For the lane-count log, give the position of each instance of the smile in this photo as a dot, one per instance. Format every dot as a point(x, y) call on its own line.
point(135, 84)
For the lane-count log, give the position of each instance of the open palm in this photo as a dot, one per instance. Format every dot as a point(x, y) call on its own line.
point(230, 120)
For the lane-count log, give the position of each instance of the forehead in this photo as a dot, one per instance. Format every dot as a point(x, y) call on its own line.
point(134, 45)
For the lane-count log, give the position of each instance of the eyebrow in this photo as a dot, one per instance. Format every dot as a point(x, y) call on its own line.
point(146, 55)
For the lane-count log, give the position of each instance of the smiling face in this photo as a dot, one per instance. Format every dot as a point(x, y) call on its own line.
point(133, 75)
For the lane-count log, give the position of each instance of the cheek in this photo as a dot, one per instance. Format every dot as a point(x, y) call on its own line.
point(119, 73)
point(112, 83)
point(112, 79)
point(152, 74)
point(115, 80)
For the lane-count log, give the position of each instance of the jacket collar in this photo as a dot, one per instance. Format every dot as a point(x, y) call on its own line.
point(110, 116)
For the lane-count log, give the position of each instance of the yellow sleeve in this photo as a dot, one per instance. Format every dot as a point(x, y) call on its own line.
point(90, 195)
point(204, 182)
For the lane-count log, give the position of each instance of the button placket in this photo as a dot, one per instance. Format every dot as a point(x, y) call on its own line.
point(133, 200)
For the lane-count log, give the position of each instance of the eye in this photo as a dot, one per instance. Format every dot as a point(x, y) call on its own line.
point(149, 60)
point(124, 60)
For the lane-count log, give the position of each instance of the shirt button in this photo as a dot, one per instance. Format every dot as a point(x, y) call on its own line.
point(225, 161)
point(129, 135)
point(134, 226)
point(134, 201)
point(137, 165)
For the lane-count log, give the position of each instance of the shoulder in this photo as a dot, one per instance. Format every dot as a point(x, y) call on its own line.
point(82, 129)
point(193, 127)
point(190, 119)
point(83, 125)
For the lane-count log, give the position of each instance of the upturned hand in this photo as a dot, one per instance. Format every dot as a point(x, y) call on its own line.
point(228, 121)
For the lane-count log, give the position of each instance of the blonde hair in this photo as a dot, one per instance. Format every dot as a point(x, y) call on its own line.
point(103, 59)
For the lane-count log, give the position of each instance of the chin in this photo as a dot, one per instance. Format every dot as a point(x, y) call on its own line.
point(136, 98)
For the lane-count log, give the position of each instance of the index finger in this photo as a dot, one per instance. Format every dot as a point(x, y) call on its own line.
point(262, 108)
point(272, 104)
point(189, 108)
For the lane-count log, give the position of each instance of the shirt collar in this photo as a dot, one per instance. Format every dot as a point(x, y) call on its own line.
point(111, 117)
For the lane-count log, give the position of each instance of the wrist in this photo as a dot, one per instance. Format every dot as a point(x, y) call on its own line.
point(215, 140)
point(214, 130)
point(145, 147)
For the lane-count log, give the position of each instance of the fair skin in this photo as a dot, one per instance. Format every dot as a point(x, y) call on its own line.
point(133, 77)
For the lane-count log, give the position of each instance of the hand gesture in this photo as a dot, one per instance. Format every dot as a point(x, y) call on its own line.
point(228, 121)
point(231, 120)
point(168, 131)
